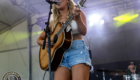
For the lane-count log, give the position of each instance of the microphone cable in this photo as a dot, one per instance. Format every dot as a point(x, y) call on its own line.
point(44, 75)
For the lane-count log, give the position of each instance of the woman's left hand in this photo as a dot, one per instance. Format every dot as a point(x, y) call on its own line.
point(76, 12)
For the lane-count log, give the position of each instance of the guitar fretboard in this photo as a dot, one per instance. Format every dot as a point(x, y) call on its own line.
point(65, 24)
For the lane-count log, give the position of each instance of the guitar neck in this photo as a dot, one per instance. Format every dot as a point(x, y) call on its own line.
point(66, 24)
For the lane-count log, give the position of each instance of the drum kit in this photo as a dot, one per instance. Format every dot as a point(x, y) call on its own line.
point(123, 73)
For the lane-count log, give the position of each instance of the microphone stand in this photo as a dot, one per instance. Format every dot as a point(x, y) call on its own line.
point(103, 75)
point(114, 76)
point(47, 34)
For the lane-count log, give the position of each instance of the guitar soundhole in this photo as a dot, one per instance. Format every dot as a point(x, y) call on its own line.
point(55, 38)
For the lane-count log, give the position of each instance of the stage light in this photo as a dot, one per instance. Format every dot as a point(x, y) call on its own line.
point(102, 21)
point(94, 19)
point(39, 32)
point(126, 17)
point(120, 20)
point(91, 24)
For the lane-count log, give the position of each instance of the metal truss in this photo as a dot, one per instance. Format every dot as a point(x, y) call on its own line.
point(4, 23)
point(41, 22)
point(23, 5)
point(116, 5)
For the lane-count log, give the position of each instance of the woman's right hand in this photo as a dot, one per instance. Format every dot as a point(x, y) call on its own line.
point(47, 43)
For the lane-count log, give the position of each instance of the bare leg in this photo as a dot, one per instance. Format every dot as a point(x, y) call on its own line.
point(80, 72)
point(62, 73)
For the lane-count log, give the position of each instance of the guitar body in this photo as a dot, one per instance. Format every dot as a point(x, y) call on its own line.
point(63, 43)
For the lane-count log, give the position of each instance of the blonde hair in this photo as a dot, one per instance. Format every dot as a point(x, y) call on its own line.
point(56, 14)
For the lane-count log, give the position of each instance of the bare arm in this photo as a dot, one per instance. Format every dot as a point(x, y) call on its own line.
point(81, 21)
point(40, 39)
point(82, 26)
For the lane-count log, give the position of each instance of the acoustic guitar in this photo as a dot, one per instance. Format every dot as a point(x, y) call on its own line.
point(62, 39)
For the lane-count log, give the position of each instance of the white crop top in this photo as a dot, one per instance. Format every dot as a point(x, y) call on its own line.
point(74, 27)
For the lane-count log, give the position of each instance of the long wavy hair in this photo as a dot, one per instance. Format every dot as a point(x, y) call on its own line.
point(56, 14)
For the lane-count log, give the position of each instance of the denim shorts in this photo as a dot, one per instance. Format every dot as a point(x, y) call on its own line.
point(76, 54)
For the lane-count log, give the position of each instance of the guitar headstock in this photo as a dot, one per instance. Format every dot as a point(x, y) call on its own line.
point(81, 3)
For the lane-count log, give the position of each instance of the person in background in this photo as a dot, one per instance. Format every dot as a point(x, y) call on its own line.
point(131, 69)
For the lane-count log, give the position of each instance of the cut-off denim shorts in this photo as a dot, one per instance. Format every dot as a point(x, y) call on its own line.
point(76, 54)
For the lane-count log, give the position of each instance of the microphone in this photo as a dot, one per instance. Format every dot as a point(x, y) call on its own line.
point(53, 2)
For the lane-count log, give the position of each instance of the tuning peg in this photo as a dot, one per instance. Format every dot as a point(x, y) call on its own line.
point(79, 4)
